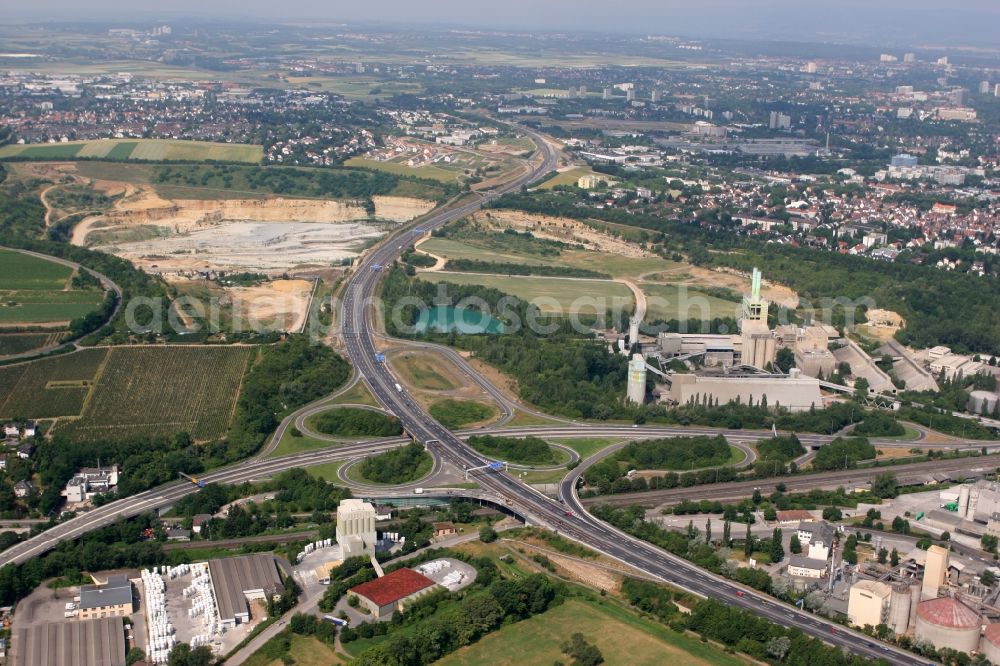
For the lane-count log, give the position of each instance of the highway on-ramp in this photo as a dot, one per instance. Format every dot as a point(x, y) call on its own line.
point(570, 519)
point(568, 516)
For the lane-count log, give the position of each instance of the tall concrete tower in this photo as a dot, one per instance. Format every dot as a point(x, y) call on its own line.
point(637, 379)
point(356, 528)
point(754, 307)
point(633, 331)
point(935, 572)
point(758, 344)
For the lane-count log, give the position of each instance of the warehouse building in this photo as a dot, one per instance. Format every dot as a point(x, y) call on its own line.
point(98, 642)
point(113, 599)
point(393, 591)
point(239, 580)
point(795, 392)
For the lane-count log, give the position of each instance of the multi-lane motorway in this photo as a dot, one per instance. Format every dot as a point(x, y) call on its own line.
point(569, 517)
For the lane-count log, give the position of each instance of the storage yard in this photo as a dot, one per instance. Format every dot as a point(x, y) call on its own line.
point(216, 603)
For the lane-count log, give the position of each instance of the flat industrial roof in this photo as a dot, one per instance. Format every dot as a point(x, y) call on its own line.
point(75, 643)
point(117, 591)
point(234, 577)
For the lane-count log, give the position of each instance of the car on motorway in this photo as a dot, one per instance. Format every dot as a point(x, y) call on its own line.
point(740, 593)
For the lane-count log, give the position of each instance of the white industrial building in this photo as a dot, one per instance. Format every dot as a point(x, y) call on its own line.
point(356, 528)
point(795, 392)
point(868, 604)
point(800, 566)
point(90, 481)
point(875, 602)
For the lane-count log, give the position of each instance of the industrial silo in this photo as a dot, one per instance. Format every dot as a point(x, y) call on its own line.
point(963, 500)
point(899, 608)
point(990, 647)
point(637, 379)
point(948, 623)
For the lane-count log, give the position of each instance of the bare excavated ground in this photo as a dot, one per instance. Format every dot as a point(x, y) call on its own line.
point(277, 305)
point(560, 229)
point(267, 235)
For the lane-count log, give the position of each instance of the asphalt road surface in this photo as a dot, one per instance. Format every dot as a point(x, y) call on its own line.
point(567, 516)
point(571, 518)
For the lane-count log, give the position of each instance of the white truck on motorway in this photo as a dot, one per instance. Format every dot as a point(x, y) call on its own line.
point(399, 388)
point(418, 491)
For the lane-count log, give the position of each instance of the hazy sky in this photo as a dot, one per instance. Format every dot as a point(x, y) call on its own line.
point(930, 21)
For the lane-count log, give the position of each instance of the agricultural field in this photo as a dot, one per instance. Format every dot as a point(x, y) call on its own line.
point(624, 639)
point(151, 150)
point(459, 249)
point(20, 343)
point(50, 387)
point(395, 168)
point(38, 291)
point(24, 272)
point(152, 390)
point(129, 391)
point(367, 88)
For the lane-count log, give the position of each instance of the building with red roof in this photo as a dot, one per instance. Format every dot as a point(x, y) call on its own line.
point(393, 591)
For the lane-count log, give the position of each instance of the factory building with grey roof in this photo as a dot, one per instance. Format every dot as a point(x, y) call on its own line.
point(237, 580)
point(99, 642)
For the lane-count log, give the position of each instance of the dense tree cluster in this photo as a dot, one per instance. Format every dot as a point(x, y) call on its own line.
point(285, 377)
point(676, 453)
point(354, 422)
point(453, 626)
point(582, 652)
point(764, 640)
point(657, 600)
point(785, 448)
point(526, 450)
point(879, 424)
point(843, 453)
point(402, 465)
